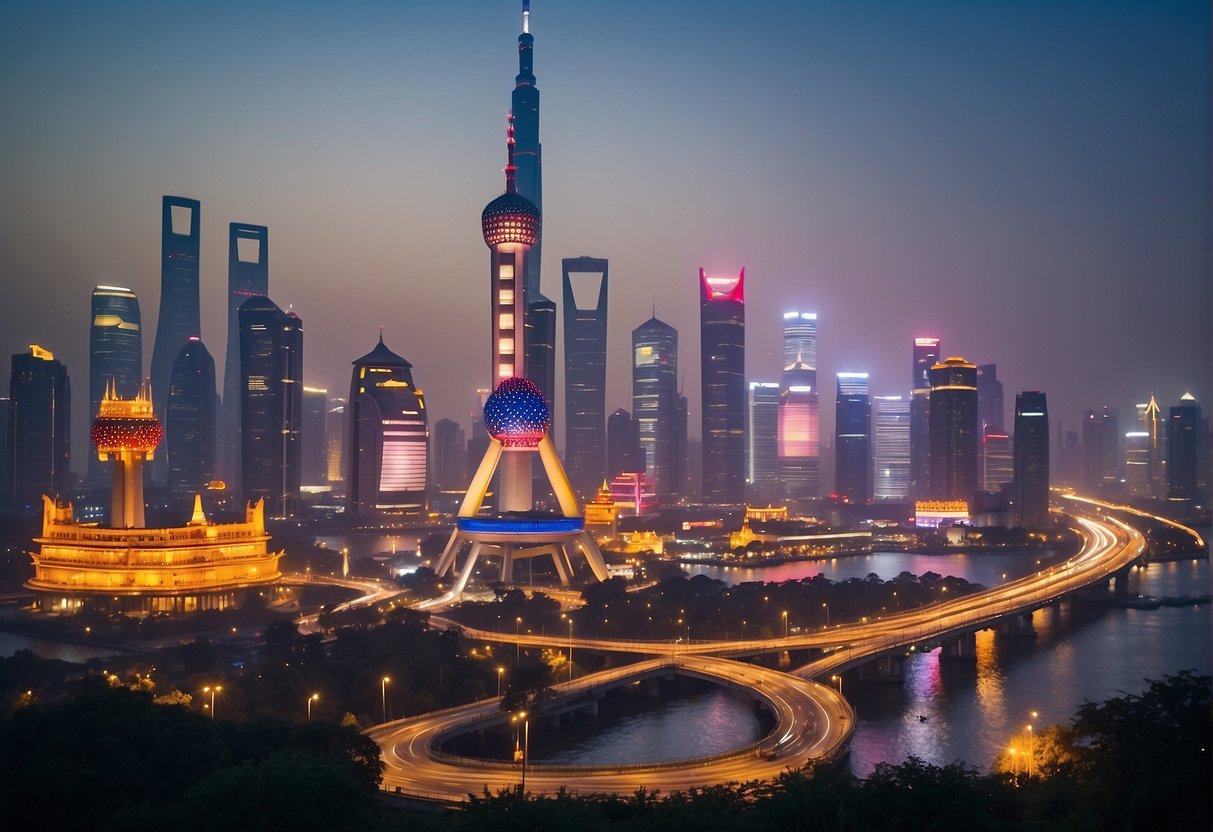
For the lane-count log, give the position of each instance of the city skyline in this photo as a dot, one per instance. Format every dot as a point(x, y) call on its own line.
point(875, 177)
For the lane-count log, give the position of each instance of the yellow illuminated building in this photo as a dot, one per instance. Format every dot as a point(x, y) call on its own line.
point(764, 514)
point(601, 513)
point(128, 568)
point(635, 543)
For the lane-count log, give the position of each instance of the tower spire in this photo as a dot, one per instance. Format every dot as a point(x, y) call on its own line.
point(526, 17)
point(510, 185)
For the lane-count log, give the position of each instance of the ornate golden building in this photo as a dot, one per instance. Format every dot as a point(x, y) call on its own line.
point(135, 570)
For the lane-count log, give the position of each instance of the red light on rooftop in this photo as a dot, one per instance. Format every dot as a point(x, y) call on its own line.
point(723, 288)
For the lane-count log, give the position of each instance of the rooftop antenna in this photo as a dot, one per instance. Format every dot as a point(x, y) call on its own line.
point(510, 169)
point(526, 17)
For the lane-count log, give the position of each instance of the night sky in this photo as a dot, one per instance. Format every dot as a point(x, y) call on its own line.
point(1029, 181)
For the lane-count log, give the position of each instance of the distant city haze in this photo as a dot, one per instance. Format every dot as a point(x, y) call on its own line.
point(1027, 181)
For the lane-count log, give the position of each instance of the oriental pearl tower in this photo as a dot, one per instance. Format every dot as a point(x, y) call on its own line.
point(517, 419)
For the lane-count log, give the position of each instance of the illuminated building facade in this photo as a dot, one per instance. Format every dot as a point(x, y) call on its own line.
point(633, 494)
point(248, 275)
point(891, 447)
point(800, 339)
point(125, 567)
point(655, 401)
point(932, 514)
point(585, 349)
point(314, 437)
point(926, 356)
point(953, 429)
point(1031, 483)
point(1185, 444)
point(853, 439)
point(115, 353)
point(1137, 463)
point(389, 439)
point(271, 405)
point(763, 437)
point(334, 453)
point(190, 422)
point(799, 444)
point(180, 240)
point(39, 430)
point(1151, 422)
point(601, 514)
point(722, 380)
point(995, 460)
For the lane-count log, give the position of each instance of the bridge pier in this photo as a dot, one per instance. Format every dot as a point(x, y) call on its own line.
point(887, 668)
point(1120, 581)
point(961, 649)
point(1017, 626)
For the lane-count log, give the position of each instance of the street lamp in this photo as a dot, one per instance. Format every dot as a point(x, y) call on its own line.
point(310, 700)
point(383, 694)
point(570, 648)
point(827, 609)
point(212, 691)
point(526, 742)
point(1031, 749)
point(785, 623)
point(500, 671)
point(837, 678)
point(517, 624)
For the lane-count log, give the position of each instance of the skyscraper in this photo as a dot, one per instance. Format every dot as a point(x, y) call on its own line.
point(1185, 443)
point(1137, 463)
point(799, 445)
point(449, 462)
point(190, 422)
point(39, 431)
point(1151, 422)
point(1031, 483)
point(585, 343)
point(800, 339)
point(926, 355)
point(314, 437)
point(722, 377)
point(1100, 449)
point(763, 437)
point(989, 399)
point(953, 430)
point(179, 316)
point(335, 431)
point(853, 438)
point(891, 447)
point(624, 452)
point(248, 274)
point(655, 401)
point(115, 355)
point(389, 438)
point(271, 405)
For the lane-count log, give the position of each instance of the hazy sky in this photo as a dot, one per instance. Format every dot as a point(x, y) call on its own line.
point(1028, 181)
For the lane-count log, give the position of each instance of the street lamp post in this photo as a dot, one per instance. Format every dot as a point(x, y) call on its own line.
point(837, 678)
point(827, 609)
point(785, 623)
point(212, 690)
point(310, 700)
point(500, 671)
point(383, 694)
point(570, 649)
point(1031, 751)
point(526, 743)
point(517, 625)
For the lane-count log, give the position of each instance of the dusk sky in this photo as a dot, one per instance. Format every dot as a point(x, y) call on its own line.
point(1028, 181)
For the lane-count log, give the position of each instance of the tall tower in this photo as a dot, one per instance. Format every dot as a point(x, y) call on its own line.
point(190, 422)
point(989, 399)
point(953, 431)
point(511, 225)
point(926, 355)
point(39, 430)
point(1185, 441)
point(1150, 421)
point(1031, 481)
point(655, 402)
point(722, 379)
point(115, 354)
point(314, 436)
point(891, 447)
point(389, 439)
point(585, 351)
point(762, 459)
point(853, 438)
point(179, 316)
point(271, 404)
point(248, 275)
point(799, 445)
point(126, 432)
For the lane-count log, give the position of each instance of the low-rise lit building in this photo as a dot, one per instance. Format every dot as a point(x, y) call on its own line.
point(932, 514)
point(601, 515)
point(127, 568)
point(633, 494)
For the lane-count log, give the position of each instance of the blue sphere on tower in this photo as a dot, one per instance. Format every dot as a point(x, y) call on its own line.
point(516, 414)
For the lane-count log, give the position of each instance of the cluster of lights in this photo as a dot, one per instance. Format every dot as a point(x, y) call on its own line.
point(510, 218)
point(516, 414)
point(111, 434)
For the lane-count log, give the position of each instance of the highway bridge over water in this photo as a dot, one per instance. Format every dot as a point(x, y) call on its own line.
point(812, 720)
